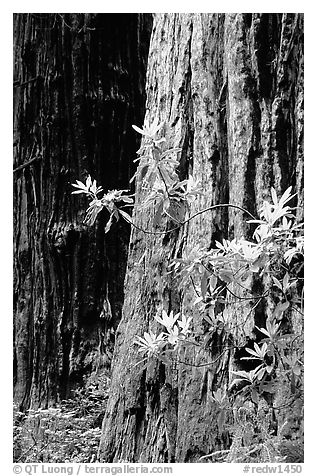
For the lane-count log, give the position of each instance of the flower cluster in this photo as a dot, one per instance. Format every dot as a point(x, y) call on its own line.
point(149, 131)
point(159, 166)
point(176, 330)
point(221, 276)
point(109, 202)
point(271, 213)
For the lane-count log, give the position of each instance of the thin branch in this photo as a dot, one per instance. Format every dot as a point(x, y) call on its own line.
point(213, 207)
point(26, 452)
point(163, 180)
point(170, 216)
point(256, 448)
point(297, 310)
point(191, 278)
point(17, 84)
point(208, 363)
point(214, 454)
point(63, 20)
point(29, 162)
point(248, 315)
point(289, 403)
point(246, 298)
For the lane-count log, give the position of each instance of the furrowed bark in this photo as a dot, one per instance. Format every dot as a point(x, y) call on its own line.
point(230, 89)
point(79, 84)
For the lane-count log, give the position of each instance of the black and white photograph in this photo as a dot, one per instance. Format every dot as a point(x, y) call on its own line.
point(158, 240)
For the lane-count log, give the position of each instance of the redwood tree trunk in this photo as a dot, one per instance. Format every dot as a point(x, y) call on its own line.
point(230, 89)
point(79, 84)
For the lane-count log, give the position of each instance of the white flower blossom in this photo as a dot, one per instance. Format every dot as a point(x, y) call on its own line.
point(167, 320)
point(173, 335)
point(150, 344)
point(184, 325)
point(150, 130)
point(89, 188)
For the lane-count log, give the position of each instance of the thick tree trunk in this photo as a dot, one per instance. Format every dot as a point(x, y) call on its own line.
point(79, 84)
point(230, 89)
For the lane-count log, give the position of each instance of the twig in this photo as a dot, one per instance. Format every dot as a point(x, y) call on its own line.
point(297, 310)
point(29, 162)
point(208, 363)
point(213, 207)
point(17, 84)
point(244, 297)
point(191, 278)
point(63, 20)
point(26, 452)
point(258, 447)
point(214, 454)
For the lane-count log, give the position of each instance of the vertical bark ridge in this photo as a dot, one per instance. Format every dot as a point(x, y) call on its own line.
point(79, 84)
point(222, 82)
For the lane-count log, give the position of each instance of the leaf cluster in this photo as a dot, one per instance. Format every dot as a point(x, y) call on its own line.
point(222, 278)
point(68, 432)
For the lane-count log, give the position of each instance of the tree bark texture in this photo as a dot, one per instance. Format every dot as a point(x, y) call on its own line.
point(230, 89)
point(79, 84)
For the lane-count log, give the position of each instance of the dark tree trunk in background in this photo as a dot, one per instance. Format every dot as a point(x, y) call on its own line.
point(230, 88)
point(79, 85)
